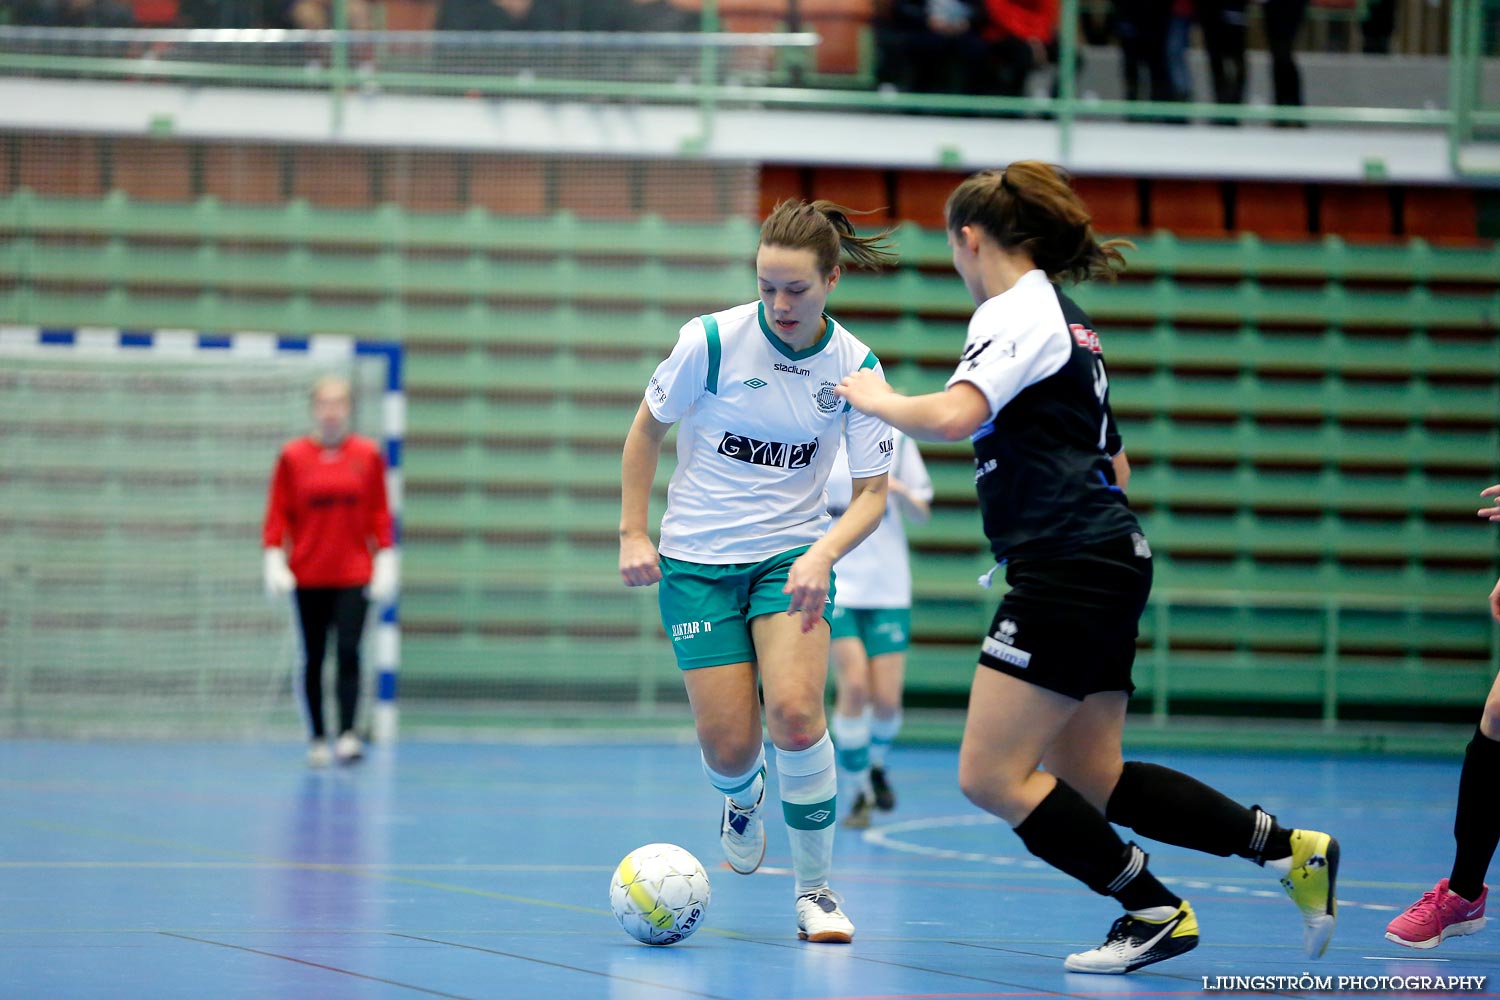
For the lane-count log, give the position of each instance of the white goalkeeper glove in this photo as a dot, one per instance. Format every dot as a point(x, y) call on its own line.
point(278, 575)
point(384, 577)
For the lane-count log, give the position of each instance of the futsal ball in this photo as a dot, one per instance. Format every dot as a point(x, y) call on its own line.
point(659, 894)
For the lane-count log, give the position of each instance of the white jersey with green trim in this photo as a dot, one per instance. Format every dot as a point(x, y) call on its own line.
point(876, 573)
point(759, 429)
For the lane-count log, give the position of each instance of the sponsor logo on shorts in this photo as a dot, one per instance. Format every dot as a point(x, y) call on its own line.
point(1005, 654)
point(1142, 547)
point(1002, 647)
point(688, 630)
point(776, 454)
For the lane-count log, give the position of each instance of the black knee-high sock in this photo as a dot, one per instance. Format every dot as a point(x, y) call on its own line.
point(1476, 827)
point(1174, 808)
point(1071, 836)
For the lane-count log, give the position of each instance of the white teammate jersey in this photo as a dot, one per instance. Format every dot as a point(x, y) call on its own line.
point(876, 573)
point(759, 428)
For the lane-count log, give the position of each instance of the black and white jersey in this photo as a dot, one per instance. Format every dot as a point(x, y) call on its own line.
point(1042, 461)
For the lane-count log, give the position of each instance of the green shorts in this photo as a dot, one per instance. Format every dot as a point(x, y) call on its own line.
point(879, 630)
point(706, 609)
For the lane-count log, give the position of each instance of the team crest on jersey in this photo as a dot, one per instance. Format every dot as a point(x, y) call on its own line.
point(826, 399)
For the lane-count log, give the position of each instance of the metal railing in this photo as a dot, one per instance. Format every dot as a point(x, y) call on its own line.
point(710, 70)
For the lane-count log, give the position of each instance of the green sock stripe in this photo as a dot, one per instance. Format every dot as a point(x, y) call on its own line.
point(855, 759)
point(810, 815)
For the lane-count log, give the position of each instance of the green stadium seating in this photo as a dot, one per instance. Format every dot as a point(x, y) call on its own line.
point(1309, 424)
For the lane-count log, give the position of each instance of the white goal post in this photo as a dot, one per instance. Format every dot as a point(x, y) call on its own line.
point(133, 474)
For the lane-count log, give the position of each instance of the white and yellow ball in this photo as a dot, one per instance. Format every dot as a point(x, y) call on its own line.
point(659, 894)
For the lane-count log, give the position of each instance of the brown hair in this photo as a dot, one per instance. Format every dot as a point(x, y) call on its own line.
point(825, 229)
point(1030, 206)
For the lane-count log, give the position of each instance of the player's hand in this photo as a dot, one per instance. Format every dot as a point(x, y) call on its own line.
point(863, 389)
point(1491, 513)
point(1495, 601)
point(384, 577)
point(807, 583)
point(640, 565)
point(278, 577)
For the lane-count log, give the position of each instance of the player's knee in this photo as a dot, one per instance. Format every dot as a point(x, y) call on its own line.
point(987, 787)
point(727, 755)
point(796, 727)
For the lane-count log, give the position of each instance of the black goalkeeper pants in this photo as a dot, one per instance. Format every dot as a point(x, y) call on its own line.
point(342, 609)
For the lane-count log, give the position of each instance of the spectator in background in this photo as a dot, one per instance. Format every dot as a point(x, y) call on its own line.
point(234, 14)
point(317, 15)
point(1283, 20)
point(640, 15)
point(1144, 28)
point(510, 15)
point(1224, 23)
point(1023, 36)
point(73, 14)
point(1378, 27)
point(933, 47)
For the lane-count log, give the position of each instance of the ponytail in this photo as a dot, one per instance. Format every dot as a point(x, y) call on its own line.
point(826, 230)
point(1030, 206)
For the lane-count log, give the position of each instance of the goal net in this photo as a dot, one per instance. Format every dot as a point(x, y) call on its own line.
point(133, 476)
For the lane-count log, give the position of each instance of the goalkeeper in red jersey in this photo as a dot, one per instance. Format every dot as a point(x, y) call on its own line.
point(328, 505)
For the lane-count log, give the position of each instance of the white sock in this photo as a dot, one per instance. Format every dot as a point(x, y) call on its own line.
point(743, 789)
point(1281, 866)
point(1155, 914)
point(809, 801)
point(883, 733)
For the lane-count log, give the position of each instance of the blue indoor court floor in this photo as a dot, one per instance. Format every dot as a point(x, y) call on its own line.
point(228, 871)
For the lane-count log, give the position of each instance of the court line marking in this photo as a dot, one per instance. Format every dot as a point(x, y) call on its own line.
point(887, 836)
point(855, 956)
point(559, 965)
point(280, 864)
point(316, 965)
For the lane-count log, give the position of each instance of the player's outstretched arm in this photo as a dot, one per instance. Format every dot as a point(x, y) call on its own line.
point(950, 415)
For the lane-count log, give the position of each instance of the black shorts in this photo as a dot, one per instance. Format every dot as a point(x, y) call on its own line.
point(1069, 625)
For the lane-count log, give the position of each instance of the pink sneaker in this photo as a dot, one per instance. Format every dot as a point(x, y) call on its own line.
point(1436, 917)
